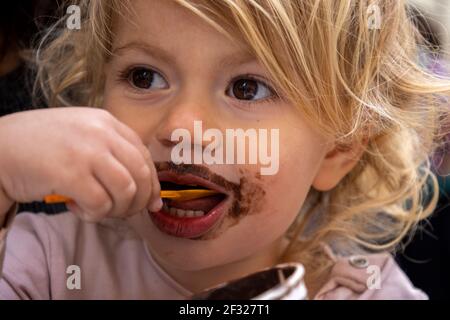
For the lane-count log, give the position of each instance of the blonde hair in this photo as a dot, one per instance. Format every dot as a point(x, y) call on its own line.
point(356, 83)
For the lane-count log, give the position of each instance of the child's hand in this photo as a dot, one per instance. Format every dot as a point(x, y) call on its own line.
point(82, 153)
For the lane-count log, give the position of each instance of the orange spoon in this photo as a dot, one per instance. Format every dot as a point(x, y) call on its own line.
point(180, 195)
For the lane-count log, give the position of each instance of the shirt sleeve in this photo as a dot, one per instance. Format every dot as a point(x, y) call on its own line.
point(23, 262)
point(3, 231)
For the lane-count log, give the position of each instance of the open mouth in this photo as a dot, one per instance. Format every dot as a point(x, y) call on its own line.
point(190, 218)
point(190, 208)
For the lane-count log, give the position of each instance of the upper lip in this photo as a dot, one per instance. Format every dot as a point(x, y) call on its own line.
point(188, 178)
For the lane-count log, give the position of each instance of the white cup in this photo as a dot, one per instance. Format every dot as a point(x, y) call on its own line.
point(282, 282)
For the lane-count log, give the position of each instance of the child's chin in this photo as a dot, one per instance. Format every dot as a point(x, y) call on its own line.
point(192, 256)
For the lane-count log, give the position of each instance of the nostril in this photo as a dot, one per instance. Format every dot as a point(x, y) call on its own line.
point(168, 143)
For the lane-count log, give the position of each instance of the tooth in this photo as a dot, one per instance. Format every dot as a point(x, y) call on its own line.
point(181, 213)
point(189, 213)
point(198, 213)
point(173, 211)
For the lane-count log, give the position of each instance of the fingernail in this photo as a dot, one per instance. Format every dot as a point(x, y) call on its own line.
point(156, 205)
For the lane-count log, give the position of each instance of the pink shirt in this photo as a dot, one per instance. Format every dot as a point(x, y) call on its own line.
point(115, 264)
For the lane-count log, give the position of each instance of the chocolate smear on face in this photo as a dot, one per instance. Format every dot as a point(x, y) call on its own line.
point(247, 195)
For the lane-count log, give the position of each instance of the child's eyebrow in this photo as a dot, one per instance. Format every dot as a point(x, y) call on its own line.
point(236, 59)
point(230, 60)
point(147, 48)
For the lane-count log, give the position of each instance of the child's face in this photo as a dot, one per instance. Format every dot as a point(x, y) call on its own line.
point(170, 69)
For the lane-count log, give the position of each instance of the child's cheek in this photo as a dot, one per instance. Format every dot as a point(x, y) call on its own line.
point(284, 196)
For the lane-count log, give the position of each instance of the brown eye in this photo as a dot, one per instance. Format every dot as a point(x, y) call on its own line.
point(249, 89)
point(144, 78)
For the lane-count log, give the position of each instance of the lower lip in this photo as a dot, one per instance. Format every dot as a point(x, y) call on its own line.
point(188, 227)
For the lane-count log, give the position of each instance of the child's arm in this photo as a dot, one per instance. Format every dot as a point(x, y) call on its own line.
point(83, 153)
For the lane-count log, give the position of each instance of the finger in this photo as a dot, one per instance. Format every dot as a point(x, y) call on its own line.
point(128, 155)
point(117, 181)
point(91, 201)
point(155, 202)
point(131, 136)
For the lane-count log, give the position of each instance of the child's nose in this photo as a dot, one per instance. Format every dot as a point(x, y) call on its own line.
point(188, 115)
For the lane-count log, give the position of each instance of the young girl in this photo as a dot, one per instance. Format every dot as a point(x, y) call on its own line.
point(357, 120)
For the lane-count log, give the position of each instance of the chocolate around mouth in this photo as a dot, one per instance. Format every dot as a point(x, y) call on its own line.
point(231, 188)
point(247, 195)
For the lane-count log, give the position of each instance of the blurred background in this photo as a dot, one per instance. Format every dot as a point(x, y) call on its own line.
point(425, 259)
point(437, 15)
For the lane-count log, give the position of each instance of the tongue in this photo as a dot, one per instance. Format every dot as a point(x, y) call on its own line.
point(202, 204)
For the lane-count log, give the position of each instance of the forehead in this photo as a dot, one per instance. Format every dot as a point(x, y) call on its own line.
point(167, 24)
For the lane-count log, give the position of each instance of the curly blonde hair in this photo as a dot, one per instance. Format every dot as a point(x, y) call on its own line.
point(356, 83)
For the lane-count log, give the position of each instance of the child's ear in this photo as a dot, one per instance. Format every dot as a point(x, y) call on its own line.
point(337, 164)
